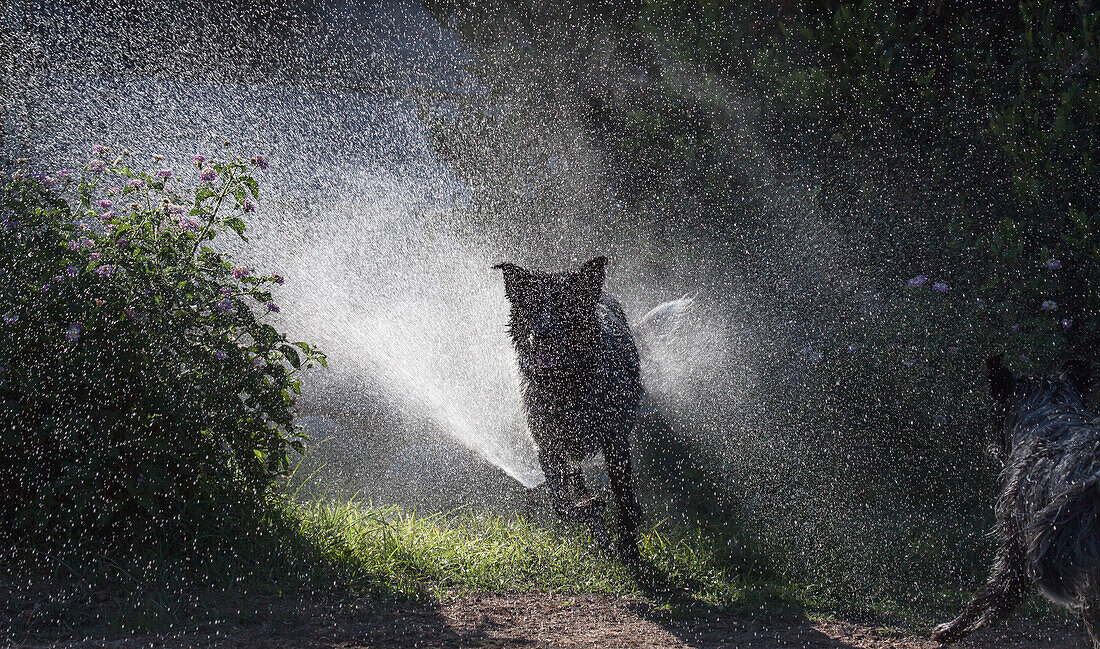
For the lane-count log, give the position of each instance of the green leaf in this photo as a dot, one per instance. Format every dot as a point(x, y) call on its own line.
point(237, 225)
point(252, 185)
point(291, 355)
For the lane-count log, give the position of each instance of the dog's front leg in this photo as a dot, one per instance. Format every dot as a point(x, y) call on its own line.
point(619, 472)
point(556, 471)
point(1003, 591)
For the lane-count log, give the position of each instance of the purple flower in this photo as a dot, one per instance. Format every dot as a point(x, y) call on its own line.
point(108, 215)
point(259, 361)
point(1049, 305)
point(1067, 323)
point(114, 190)
point(199, 159)
point(97, 166)
point(45, 288)
point(908, 362)
point(272, 307)
point(72, 271)
point(165, 173)
point(105, 270)
point(240, 272)
point(248, 206)
point(64, 174)
point(953, 349)
point(224, 305)
point(853, 348)
point(226, 291)
point(99, 149)
point(123, 242)
point(259, 161)
point(208, 174)
point(58, 278)
point(49, 181)
point(278, 279)
point(941, 287)
point(95, 256)
point(189, 225)
point(220, 355)
point(175, 209)
point(919, 280)
point(74, 245)
point(72, 334)
point(136, 183)
point(129, 311)
point(1052, 264)
point(11, 317)
point(1015, 326)
point(104, 203)
point(812, 355)
point(1024, 357)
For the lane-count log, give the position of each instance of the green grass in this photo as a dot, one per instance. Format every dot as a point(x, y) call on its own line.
point(348, 549)
point(410, 555)
point(326, 550)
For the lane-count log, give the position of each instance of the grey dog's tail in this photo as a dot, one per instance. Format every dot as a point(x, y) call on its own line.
point(1064, 545)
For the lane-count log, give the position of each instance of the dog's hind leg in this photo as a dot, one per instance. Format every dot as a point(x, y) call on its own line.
point(1003, 592)
point(1090, 615)
point(619, 472)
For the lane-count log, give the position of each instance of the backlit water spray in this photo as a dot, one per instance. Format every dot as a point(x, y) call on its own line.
point(387, 254)
point(354, 212)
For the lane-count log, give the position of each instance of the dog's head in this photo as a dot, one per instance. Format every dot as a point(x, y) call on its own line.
point(1075, 377)
point(1014, 393)
point(553, 320)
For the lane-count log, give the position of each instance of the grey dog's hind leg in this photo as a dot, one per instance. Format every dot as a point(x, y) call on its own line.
point(1090, 615)
point(1003, 592)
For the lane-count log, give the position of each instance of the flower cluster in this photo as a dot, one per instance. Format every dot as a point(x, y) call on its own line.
point(108, 275)
point(920, 280)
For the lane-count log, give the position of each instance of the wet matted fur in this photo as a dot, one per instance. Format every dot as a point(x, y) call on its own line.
point(581, 386)
point(1048, 511)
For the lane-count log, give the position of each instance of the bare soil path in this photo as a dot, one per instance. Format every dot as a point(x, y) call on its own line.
point(545, 621)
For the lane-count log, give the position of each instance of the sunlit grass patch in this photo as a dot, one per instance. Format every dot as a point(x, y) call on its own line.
point(401, 552)
point(413, 554)
point(327, 550)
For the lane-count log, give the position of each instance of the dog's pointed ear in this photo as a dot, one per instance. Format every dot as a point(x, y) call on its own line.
point(1000, 378)
point(1079, 373)
point(589, 279)
point(516, 280)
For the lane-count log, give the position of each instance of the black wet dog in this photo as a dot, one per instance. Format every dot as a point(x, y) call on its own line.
point(581, 386)
point(1048, 513)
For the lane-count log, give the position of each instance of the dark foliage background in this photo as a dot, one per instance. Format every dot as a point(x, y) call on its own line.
point(823, 153)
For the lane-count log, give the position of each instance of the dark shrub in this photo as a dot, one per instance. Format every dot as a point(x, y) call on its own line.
point(141, 383)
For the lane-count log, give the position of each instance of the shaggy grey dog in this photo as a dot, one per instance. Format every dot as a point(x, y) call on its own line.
point(581, 388)
point(1048, 512)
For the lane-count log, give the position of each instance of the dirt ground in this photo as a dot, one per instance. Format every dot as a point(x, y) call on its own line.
point(539, 620)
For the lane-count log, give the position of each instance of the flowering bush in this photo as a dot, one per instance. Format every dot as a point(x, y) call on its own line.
point(140, 379)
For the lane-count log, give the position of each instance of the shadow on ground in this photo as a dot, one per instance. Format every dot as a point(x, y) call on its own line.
point(544, 621)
